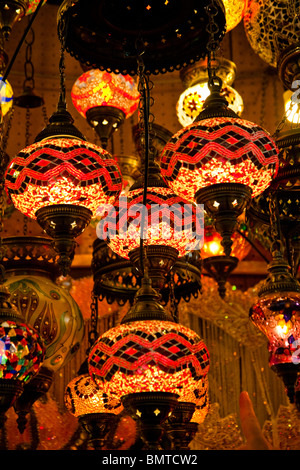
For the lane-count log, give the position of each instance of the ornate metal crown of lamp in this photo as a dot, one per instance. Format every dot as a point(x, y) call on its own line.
point(12, 11)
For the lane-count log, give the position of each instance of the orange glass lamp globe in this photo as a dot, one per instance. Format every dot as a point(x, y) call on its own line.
point(62, 170)
point(82, 397)
point(170, 221)
point(97, 88)
point(150, 356)
point(219, 150)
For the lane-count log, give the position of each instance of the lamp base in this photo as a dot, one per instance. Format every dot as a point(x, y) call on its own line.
point(98, 426)
point(150, 410)
point(178, 428)
point(105, 120)
point(220, 268)
point(63, 223)
point(289, 374)
point(35, 389)
point(225, 203)
point(160, 260)
point(10, 390)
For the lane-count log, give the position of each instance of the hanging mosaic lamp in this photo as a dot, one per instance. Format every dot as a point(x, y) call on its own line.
point(105, 100)
point(149, 358)
point(170, 35)
point(97, 412)
point(61, 180)
point(31, 270)
point(173, 228)
point(272, 29)
point(21, 352)
point(220, 161)
point(277, 315)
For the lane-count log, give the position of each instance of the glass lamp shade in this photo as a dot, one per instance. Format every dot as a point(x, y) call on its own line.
point(82, 397)
point(277, 315)
point(31, 269)
point(191, 101)
point(21, 352)
point(53, 313)
point(62, 171)
point(170, 221)
point(149, 356)
point(271, 26)
point(234, 12)
point(292, 110)
point(6, 96)
point(219, 150)
point(96, 88)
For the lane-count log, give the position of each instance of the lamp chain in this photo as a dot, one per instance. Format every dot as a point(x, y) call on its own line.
point(93, 333)
point(275, 231)
point(145, 121)
point(213, 44)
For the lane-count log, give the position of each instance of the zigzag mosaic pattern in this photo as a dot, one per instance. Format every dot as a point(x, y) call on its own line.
point(220, 150)
point(131, 348)
point(58, 171)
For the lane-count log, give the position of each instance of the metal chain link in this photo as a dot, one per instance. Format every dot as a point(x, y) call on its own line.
point(213, 44)
point(28, 65)
point(93, 333)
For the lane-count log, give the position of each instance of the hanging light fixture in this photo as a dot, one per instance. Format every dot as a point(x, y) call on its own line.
point(61, 180)
point(195, 79)
point(234, 11)
point(149, 358)
point(105, 100)
point(170, 34)
point(220, 161)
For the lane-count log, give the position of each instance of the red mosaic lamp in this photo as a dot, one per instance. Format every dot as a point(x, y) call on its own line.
point(173, 227)
point(61, 180)
point(105, 100)
point(150, 362)
point(220, 161)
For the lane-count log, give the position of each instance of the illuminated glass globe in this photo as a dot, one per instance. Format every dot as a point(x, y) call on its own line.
point(6, 96)
point(96, 88)
point(219, 150)
point(277, 315)
point(62, 171)
point(83, 397)
point(234, 12)
point(149, 356)
point(191, 101)
point(170, 221)
point(271, 27)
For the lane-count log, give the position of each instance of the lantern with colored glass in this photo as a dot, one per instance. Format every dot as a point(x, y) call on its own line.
point(195, 80)
point(150, 361)
point(173, 227)
point(105, 100)
point(234, 12)
point(277, 315)
point(21, 353)
point(220, 161)
point(97, 412)
point(61, 180)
